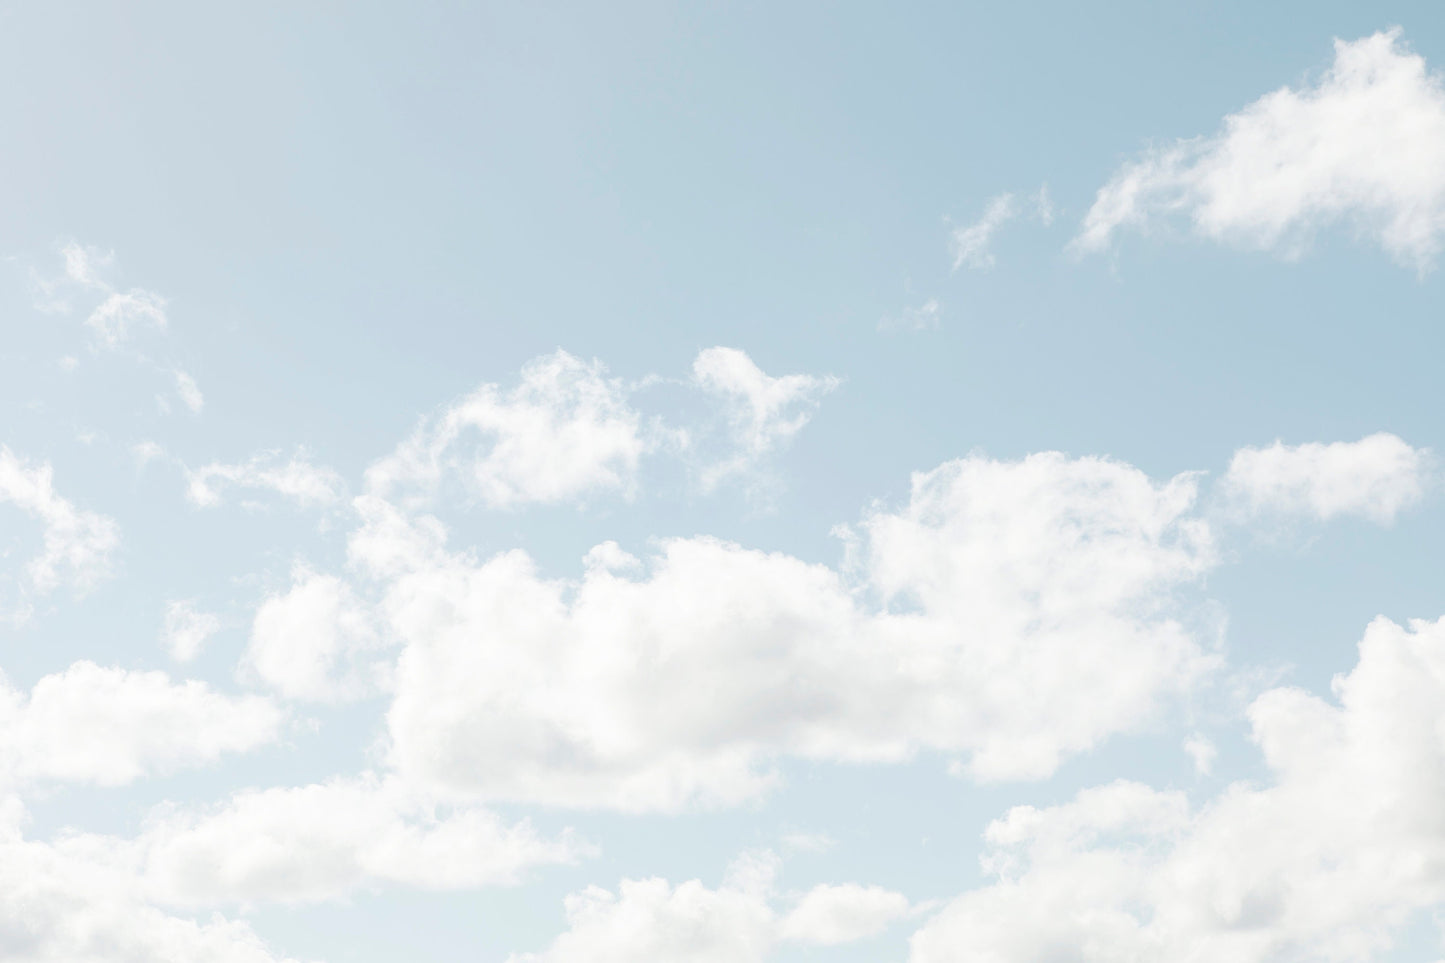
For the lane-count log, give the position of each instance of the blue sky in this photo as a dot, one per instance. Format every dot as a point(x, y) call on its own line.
point(730, 483)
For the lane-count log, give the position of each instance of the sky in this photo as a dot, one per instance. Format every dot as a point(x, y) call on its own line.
point(722, 483)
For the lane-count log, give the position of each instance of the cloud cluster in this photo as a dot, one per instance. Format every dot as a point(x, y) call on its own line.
point(740, 921)
point(61, 904)
point(322, 841)
point(1364, 146)
point(1327, 862)
point(987, 618)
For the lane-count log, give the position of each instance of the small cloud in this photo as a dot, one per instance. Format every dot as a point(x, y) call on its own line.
point(298, 480)
point(190, 392)
point(922, 318)
point(81, 264)
point(808, 842)
point(187, 629)
point(1202, 751)
point(1044, 205)
point(763, 412)
point(971, 242)
point(147, 451)
point(117, 315)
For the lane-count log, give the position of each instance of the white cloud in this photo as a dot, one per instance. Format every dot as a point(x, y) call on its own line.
point(831, 915)
point(322, 841)
point(1008, 594)
point(920, 318)
point(81, 271)
point(110, 726)
point(763, 412)
point(1375, 477)
point(298, 480)
point(59, 904)
point(808, 842)
point(83, 264)
point(1327, 861)
point(190, 392)
point(187, 629)
point(1202, 752)
point(121, 311)
point(77, 544)
point(738, 922)
point(313, 642)
point(1364, 146)
point(971, 242)
point(1044, 205)
point(566, 432)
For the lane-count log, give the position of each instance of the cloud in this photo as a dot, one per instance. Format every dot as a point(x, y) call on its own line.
point(1004, 597)
point(738, 922)
point(920, 318)
point(312, 643)
point(58, 904)
point(763, 412)
point(187, 629)
point(190, 392)
point(118, 314)
point(1044, 205)
point(1376, 477)
point(82, 267)
point(297, 480)
point(1329, 860)
point(83, 264)
point(121, 311)
point(322, 841)
point(77, 544)
point(970, 243)
point(1363, 146)
point(1201, 752)
point(110, 726)
point(832, 915)
point(566, 432)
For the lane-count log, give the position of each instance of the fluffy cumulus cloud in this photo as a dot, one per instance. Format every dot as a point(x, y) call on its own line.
point(763, 412)
point(296, 479)
point(987, 617)
point(741, 921)
point(319, 842)
point(1364, 146)
point(1327, 861)
point(77, 544)
point(315, 642)
point(110, 726)
point(61, 904)
point(566, 432)
point(1375, 477)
